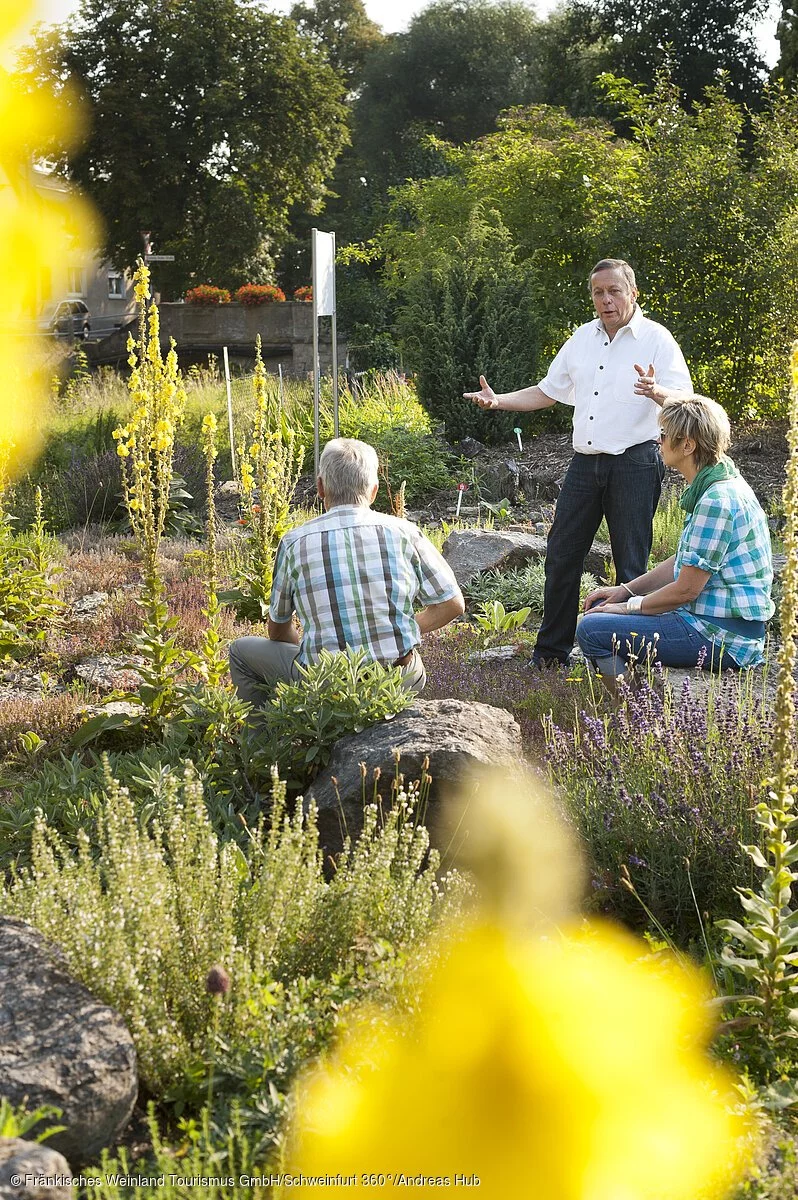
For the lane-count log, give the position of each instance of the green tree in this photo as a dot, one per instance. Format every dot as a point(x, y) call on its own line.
point(698, 39)
point(343, 29)
point(209, 119)
point(460, 63)
point(554, 182)
point(787, 34)
point(712, 227)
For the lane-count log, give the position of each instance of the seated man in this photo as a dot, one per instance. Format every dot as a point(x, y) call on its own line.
point(352, 576)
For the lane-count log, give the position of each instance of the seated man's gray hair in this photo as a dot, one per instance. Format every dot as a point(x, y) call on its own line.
point(348, 471)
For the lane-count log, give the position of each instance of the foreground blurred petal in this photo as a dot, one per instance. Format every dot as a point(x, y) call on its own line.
point(570, 1068)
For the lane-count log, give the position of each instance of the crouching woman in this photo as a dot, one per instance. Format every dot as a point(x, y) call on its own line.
point(708, 603)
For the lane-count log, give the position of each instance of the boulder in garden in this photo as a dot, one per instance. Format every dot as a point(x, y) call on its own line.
point(470, 552)
point(60, 1046)
point(38, 1172)
point(456, 736)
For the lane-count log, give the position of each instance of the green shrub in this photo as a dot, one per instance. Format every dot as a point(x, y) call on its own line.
point(145, 909)
point(336, 695)
point(520, 587)
point(467, 315)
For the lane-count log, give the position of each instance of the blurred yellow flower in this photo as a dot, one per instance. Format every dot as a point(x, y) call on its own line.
point(34, 234)
point(559, 1067)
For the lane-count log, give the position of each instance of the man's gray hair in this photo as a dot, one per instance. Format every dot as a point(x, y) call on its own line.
point(348, 471)
point(614, 264)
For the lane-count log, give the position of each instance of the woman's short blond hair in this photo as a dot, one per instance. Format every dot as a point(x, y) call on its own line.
point(700, 419)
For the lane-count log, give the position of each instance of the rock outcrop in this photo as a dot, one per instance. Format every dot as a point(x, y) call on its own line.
point(61, 1046)
point(453, 734)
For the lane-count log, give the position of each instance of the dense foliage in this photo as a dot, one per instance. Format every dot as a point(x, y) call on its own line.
point(702, 205)
point(209, 120)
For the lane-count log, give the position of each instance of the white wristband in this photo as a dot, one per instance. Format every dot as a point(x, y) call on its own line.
point(634, 604)
point(627, 588)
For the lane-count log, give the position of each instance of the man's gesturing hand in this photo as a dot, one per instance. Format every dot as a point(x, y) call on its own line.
point(486, 397)
point(646, 385)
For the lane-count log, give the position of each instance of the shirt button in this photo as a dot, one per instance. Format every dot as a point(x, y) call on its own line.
point(590, 443)
point(601, 368)
point(595, 393)
point(606, 343)
point(591, 418)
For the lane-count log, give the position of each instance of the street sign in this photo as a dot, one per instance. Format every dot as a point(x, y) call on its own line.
point(159, 258)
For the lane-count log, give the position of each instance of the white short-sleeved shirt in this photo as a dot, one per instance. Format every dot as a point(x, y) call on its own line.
point(597, 377)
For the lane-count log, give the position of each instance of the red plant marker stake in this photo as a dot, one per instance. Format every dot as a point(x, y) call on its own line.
point(461, 487)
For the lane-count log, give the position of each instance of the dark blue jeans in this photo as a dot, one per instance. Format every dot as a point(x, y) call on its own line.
point(625, 488)
point(609, 639)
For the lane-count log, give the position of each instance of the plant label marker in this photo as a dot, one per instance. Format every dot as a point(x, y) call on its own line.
point(229, 410)
point(517, 432)
point(461, 487)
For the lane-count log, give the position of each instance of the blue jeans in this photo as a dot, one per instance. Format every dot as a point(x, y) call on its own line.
point(608, 639)
point(623, 487)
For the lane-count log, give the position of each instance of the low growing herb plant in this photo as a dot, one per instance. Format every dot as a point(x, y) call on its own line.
point(662, 787)
point(336, 695)
point(762, 949)
point(146, 907)
point(519, 587)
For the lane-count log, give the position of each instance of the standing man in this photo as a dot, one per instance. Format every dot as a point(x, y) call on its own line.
point(353, 577)
point(617, 469)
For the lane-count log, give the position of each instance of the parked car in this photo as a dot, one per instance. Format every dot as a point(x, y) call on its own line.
point(70, 318)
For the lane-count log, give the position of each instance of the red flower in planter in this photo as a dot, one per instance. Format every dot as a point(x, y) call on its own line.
point(304, 294)
point(253, 294)
point(206, 293)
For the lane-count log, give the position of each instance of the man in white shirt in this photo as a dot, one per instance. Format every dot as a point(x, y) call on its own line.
point(617, 468)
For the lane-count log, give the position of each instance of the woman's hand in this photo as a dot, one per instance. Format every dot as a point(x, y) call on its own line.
point(610, 608)
point(603, 596)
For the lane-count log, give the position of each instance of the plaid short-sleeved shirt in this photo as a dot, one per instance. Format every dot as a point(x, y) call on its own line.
point(353, 576)
point(727, 534)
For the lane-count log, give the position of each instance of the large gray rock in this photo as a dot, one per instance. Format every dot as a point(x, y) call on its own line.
point(500, 480)
point(39, 1173)
point(455, 735)
point(61, 1046)
point(469, 552)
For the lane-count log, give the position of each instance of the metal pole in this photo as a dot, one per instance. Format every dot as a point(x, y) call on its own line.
point(334, 347)
point(229, 410)
point(316, 396)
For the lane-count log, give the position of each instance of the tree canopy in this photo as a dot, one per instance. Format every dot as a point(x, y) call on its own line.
point(703, 42)
point(208, 120)
point(343, 30)
point(460, 63)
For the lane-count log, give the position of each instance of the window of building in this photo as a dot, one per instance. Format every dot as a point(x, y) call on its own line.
point(116, 285)
point(75, 281)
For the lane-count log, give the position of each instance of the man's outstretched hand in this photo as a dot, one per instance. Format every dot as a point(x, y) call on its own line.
point(485, 397)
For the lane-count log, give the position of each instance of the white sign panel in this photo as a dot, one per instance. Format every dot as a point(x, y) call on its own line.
point(323, 273)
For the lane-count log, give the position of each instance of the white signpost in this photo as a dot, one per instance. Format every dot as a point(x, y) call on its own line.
point(323, 258)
